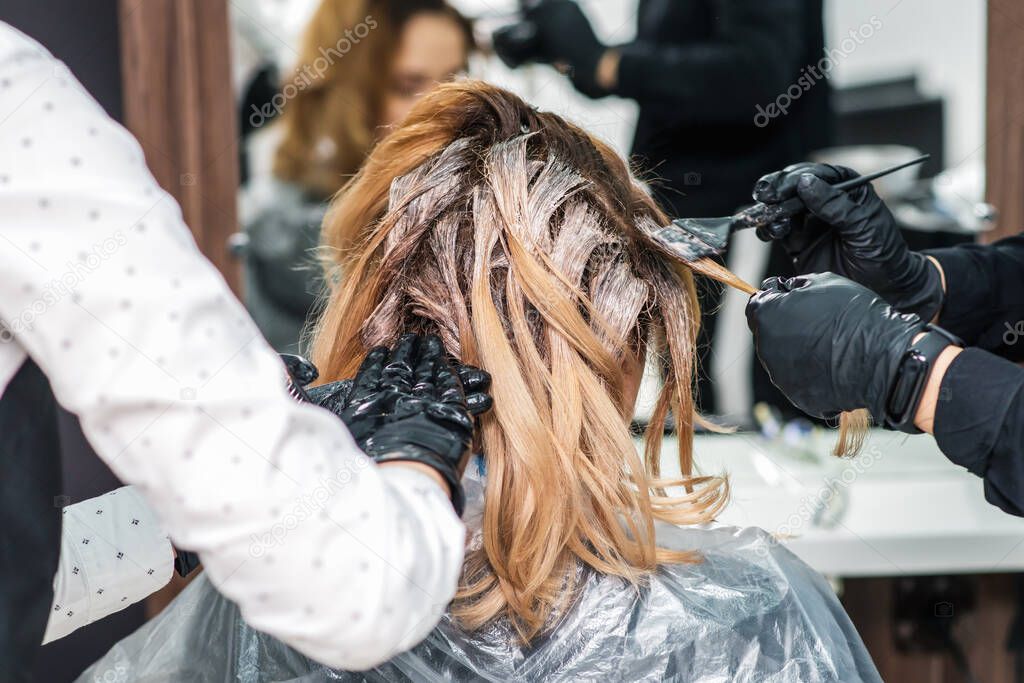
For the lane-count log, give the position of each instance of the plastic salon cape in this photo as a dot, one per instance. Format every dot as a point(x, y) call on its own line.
point(751, 611)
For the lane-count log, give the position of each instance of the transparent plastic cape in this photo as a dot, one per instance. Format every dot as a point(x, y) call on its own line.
point(751, 611)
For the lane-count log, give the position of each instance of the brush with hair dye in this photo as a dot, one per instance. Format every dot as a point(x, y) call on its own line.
point(691, 239)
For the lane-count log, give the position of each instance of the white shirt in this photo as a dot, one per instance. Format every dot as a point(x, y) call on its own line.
point(113, 552)
point(102, 284)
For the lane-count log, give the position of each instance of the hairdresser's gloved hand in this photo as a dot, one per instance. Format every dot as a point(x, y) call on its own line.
point(409, 405)
point(828, 343)
point(566, 36)
point(851, 233)
point(475, 384)
point(300, 373)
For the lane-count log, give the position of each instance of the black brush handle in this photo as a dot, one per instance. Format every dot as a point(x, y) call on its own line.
point(864, 179)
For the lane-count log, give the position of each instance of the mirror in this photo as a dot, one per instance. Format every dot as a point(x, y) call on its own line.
point(906, 77)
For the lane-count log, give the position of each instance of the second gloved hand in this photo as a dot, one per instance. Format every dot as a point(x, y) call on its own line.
point(566, 36)
point(475, 384)
point(409, 405)
point(851, 233)
point(828, 343)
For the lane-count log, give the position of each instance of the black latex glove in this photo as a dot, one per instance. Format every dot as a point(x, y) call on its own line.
point(851, 233)
point(475, 383)
point(409, 405)
point(300, 372)
point(829, 344)
point(565, 35)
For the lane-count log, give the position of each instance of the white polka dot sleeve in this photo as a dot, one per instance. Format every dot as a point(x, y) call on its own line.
point(102, 284)
point(114, 552)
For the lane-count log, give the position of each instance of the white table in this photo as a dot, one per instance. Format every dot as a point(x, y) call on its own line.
point(900, 508)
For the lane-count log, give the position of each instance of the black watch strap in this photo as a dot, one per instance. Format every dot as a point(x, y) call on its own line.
point(912, 376)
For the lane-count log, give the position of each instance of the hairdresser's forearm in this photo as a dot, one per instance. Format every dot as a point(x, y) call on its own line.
point(984, 299)
point(608, 69)
point(925, 417)
point(750, 59)
point(688, 80)
point(974, 404)
point(425, 470)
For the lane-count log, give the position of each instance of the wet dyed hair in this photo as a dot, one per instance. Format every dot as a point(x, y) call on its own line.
point(521, 241)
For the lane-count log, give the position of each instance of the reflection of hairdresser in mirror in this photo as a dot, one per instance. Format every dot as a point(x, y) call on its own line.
point(832, 344)
point(520, 240)
point(345, 94)
point(701, 70)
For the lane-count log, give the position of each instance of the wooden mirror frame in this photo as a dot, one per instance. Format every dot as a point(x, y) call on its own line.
point(180, 104)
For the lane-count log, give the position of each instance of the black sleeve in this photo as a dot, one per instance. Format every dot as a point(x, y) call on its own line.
point(979, 424)
point(750, 59)
point(984, 302)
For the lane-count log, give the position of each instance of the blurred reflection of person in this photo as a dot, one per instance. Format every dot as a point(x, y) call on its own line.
point(362, 65)
point(711, 78)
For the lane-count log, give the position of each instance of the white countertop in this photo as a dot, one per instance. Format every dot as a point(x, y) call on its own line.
point(898, 508)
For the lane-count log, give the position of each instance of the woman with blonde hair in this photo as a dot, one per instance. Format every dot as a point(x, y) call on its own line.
point(524, 244)
point(361, 65)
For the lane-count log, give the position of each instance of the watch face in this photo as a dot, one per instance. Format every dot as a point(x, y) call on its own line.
point(909, 380)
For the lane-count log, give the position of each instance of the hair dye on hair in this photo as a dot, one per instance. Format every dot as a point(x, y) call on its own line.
point(522, 241)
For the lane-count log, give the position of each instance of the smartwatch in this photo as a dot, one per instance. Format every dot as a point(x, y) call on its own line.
point(912, 375)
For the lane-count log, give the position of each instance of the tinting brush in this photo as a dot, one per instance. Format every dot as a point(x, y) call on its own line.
point(690, 239)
